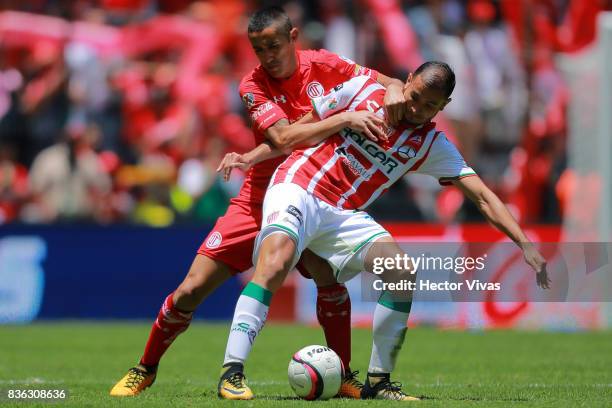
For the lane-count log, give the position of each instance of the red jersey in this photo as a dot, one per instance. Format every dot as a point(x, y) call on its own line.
point(349, 171)
point(269, 100)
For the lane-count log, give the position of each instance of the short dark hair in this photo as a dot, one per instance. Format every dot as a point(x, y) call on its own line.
point(265, 17)
point(438, 75)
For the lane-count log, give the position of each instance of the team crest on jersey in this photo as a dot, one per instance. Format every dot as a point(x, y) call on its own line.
point(314, 89)
point(406, 152)
point(214, 240)
point(248, 99)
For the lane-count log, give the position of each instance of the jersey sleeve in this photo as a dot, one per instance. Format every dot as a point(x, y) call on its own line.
point(263, 111)
point(444, 162)
point(339, 98)
point(347, 67)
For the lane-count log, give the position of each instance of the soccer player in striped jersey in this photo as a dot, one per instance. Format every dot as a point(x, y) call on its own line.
point(276, 94)
point(316, 200)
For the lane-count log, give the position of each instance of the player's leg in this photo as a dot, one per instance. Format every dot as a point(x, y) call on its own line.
point(275, 260)
point(204, 276)
point(273, 263)
point(334, 315)
point(174, 317)
point(288, 219)
point(350, 241)
point(389, 325)
point(223, 253)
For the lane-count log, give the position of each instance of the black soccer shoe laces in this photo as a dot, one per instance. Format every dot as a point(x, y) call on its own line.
point(236, 379)
point(390, 388)
point(135, 378)
point(350, 377)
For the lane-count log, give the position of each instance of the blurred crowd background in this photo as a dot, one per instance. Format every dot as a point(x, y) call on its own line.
point(120, 110)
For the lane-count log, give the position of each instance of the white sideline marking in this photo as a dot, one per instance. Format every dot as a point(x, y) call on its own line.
point(530, 385)
point(268, 382)
point(32, 380)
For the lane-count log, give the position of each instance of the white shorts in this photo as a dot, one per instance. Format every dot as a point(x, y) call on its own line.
point(339, 236)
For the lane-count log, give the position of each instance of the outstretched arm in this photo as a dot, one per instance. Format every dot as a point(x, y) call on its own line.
point(497, 214)
point(233, 160)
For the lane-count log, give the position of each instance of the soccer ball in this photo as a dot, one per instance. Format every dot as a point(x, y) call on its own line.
point(315, 373)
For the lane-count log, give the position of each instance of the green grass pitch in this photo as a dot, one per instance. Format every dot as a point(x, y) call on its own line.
point(450, 368)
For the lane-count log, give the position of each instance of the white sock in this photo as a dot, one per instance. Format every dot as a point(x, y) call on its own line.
point(389, 329)
point(249, 318)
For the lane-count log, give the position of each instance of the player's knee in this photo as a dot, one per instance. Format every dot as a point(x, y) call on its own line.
point(274, 261)
point(323, 277)
point(188, 289)
point(192, 291)
point(388, 260)
point(276, 253)
point(204, 276)
point(189, 294)
point(407, 272)
point(399, 275)
point(271, 271)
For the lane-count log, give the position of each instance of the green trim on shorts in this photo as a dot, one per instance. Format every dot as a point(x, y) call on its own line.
point(358, 247)
point(258, 293)
point(293, 234)
point(387, 301)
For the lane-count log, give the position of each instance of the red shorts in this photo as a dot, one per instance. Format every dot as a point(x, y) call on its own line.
point(232, 238)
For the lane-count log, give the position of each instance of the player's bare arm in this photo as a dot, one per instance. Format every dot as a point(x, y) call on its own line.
point(309, 131)
point(244, 162)
point(306, 132)
point(394, 98)
point(497, 214)
point(264, 151)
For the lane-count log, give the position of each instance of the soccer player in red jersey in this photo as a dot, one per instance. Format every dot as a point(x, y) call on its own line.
point(316, 200)
point(277, 93)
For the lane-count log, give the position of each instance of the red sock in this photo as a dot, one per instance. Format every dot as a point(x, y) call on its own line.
point(334, 315)
point(169, 324)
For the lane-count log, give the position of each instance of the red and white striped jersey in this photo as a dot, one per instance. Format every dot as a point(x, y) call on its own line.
point(269, 100)
point(349, 171)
